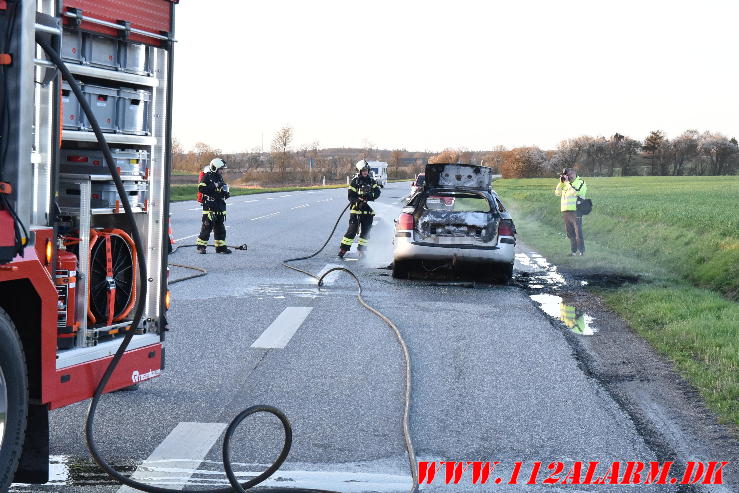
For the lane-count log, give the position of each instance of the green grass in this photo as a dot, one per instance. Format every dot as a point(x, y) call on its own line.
point(696, 329)
point(178, 193)
point(681, 236)
point(687, 227)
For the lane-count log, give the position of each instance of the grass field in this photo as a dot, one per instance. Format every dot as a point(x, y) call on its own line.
point(178, 193)
point(681, 236)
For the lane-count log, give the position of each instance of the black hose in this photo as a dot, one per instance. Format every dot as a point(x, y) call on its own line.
point(138, 314)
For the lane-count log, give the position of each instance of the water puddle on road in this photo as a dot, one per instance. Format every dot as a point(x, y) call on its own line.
point(74, 471)
point(283, 291)
point(574, 319)
point(381, 476)
point(544, 284)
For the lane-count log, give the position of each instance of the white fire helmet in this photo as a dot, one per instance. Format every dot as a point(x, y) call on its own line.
point(362, 164)
point(216, 164)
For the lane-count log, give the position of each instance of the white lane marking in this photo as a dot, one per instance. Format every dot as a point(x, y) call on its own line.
point(262, 217)
point(301, 206)
point(331, 278)
point(195, 209)
point(270, 198)
point(185, 447)
point(288, 195)
point(279, 333)
point(247, 201)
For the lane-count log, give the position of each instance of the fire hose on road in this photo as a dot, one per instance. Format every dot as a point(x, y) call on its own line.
point(406, 355)
point(138, 314)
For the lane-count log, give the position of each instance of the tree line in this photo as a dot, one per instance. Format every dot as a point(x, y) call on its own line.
point(690, 153)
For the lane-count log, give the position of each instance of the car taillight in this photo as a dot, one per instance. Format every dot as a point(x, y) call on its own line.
point(405, 221)
point(505, 229)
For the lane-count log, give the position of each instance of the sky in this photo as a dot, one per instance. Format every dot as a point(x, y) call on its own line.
point(426, 75)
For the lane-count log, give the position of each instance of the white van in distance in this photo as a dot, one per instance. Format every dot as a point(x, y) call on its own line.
point(379, 172)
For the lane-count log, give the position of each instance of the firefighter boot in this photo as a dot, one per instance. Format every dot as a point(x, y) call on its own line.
point(223, 249)
point(201, 249)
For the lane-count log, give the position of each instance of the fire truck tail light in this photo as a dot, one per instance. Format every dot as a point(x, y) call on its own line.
point(167, 299)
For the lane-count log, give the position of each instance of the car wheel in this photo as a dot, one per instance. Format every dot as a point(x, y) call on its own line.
point(400, 270)
point(504, 273)
point(13, 399)
point(501, 273)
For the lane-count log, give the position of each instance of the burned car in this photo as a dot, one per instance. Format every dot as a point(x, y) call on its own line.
point(456, 221)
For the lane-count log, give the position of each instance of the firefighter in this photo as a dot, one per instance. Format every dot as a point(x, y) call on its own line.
point(362, 190)
point(215, 192)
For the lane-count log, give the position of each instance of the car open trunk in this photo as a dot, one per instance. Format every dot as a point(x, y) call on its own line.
point(464, 176)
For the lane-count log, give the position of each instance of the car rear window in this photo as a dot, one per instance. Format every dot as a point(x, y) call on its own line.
point(457, 203)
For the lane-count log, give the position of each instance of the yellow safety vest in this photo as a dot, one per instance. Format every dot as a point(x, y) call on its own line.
point(569, 191)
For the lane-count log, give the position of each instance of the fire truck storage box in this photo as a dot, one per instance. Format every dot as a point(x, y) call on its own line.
point(130, 162)
point(72, 46)
point(103, 101)
point(101, 51)
point(72, 110)
point(104, 195)
point(133, 111)
point(136, 58)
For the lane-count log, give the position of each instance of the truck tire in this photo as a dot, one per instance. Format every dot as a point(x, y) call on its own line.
point(13, 400)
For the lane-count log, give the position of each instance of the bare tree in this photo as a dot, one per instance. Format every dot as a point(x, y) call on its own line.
point(631, 148)
point(524, 162)
point(448, 155)
point(494, 159)
point(280, 145)
point(685, 149)
point(719, 150)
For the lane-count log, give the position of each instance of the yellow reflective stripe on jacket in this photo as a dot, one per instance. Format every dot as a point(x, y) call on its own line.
point(352, 188)
point(357, 211)
point(201, 184)
point(568, 193)
point(346, 241)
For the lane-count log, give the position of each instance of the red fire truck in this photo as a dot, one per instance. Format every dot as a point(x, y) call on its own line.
point(69, 282)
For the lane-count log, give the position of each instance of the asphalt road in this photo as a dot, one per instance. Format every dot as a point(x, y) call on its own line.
point(493, 378)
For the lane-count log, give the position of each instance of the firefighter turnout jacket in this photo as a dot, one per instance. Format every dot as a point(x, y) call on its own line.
point(569, 191)
point(214, 195)
point(362, 187)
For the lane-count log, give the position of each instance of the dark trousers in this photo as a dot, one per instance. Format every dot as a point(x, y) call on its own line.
point(213, 221)
point(573, 226)
point(361, 223)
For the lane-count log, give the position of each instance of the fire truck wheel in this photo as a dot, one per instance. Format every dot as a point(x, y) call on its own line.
point(13, 399)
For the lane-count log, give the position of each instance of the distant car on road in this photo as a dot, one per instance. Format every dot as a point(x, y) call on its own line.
point(455, 220)
point(417, 184)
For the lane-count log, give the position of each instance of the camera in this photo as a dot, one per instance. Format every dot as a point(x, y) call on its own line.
point(563, 176)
